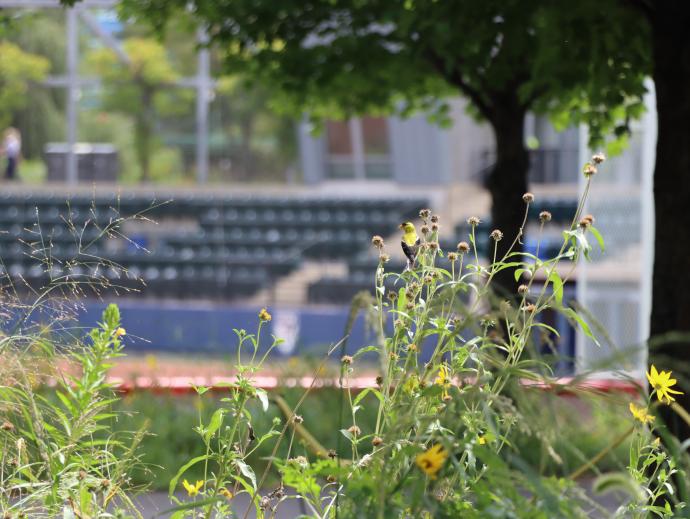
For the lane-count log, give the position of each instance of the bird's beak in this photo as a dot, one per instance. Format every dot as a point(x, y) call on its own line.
point(401, 226)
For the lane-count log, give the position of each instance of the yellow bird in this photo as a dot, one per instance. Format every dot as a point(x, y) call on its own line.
point(409, 243)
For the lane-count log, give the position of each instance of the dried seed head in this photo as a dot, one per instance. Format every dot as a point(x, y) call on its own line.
point(544, 216)
point(589, 169)
point(392, 296)
point(384, 258)
point(584, 223)
point(473, 221)
point(347, 359)
point(456, 321)
point(82, 475)
point(377, 241)
point(297, 418)
point(379, 380)
point(354, 430)
point(598, 158)
point(529, 308)
point(393, 355)
point(409, 305)
point(428, 279)
point(452, 256)
point(376, 441)
point(496, 235)
point(425, 213)
point(528, 198)
point(398, 323)
point(412, 347)
point(434, 227)
point(265, 503)
point(434, 218)
point(523, 289)
point(332, 454)
point(447, 398)
point(504, 306)
point(433, 245)
point(425, 229)
point(105, 483)
point(589, 218)
point(331, 478)
point(7, 426)
point(463, 247)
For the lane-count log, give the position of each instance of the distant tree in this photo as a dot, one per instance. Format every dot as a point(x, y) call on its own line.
point(43, 119)
point(260, 141)
point(508, 57)
point(140, 87)
point(18, 69)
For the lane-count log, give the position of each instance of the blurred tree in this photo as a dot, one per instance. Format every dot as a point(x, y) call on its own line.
point(140, 86)
point(42, 120)
point(508, 57)
point(17, 70)
point(670, 46)
point(255, 134)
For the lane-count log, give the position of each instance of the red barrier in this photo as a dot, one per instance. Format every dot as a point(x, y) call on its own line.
point(567, 386)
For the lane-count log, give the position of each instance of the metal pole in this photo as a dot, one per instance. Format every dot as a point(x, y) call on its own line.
point(72, 94)
point(203, 98)
point(649, 138)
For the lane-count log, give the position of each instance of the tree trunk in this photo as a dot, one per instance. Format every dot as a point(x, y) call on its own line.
point(671, 278)
point(144, 133)
point(507, 183)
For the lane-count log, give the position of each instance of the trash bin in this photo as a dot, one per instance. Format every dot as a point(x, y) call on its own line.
point(95, 162)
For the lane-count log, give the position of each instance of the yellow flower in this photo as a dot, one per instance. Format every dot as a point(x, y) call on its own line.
point(444, 381)
point(264, 315)
point(120, 332)
point(192, 490)
point(641, 413)
point(226, 493)
point(482, 440)
point(432, 460)
point(662, 382)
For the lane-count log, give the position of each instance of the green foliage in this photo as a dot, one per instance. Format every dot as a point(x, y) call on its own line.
point(53, 456)
point(140, 86)
point(17, 70)
point(585, 63)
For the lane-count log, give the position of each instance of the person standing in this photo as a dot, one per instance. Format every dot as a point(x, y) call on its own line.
point(12, 147)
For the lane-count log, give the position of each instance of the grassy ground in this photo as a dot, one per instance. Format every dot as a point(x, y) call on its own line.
point(583, 429)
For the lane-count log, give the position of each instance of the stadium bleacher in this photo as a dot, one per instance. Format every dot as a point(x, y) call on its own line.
point(228, 246)
point(340, 290)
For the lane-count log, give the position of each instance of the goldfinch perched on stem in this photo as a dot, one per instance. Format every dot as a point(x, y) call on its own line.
point(409, 243)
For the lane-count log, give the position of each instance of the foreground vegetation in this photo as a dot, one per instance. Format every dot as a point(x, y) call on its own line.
point(455, 425)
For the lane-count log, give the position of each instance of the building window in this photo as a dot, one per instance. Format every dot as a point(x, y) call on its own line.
point(358, 149)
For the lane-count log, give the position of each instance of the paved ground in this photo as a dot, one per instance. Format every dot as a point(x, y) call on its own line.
point(155, 503)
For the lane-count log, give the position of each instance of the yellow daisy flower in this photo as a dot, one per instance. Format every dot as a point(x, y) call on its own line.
point(661, 382)
point(192, 490)
point(641, 413)
point(444, 381)
point(432, 460)
point(482, 440)
point(264, 315)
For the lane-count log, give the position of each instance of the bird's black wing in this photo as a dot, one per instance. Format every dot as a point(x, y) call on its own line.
point(410, 251)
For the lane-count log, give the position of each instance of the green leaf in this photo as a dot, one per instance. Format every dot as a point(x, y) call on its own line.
point(214, 424)
point(247, 471)
point(598, 236)
point(572, 314)
point(618, 481)
point(557, 283)
point(178, 512)
point(263, 397)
